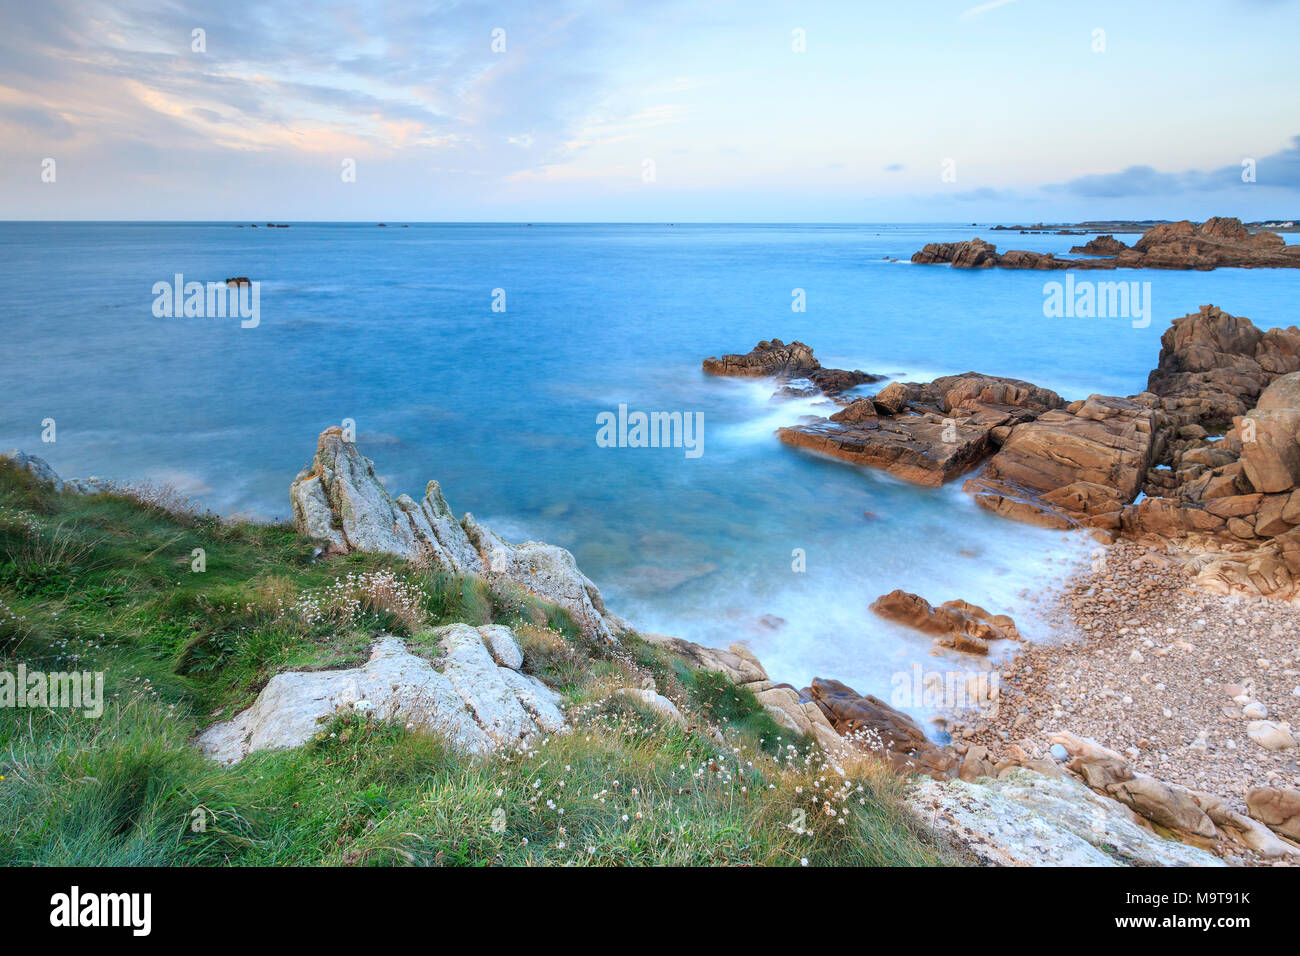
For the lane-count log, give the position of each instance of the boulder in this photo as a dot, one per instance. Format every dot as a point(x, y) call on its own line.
point(957, 624)
point(1270, 446)
point(658, 703)
point(876, 727)
point(1276, 808)
point(1271, 735)
point(470, 699)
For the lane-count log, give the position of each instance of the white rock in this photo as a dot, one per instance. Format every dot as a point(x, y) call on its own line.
point(657, 703)
point(1254, 711)
point(1027, 819)
point(38, 468)
point(1271, 735)
point(548, 570)
point(1136, 657)
point(500, 641)
point(476, 704)
point(339, 499)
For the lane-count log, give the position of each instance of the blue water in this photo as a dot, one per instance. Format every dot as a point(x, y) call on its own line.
point(393, 327)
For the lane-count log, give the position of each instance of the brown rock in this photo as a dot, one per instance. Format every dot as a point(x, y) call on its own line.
point(1277, 809)
point(877, 727)
point(1179, 245)
point(1101, 246)
point(957, 624)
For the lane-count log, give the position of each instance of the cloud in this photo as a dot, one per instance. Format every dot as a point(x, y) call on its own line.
point(1279, 170)
point(984, 8)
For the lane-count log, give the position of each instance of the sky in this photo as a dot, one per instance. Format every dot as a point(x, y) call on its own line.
point(596, 110)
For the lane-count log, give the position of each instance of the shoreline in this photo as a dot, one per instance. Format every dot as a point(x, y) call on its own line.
point(1149, 667)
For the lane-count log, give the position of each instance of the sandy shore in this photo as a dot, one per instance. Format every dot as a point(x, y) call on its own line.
point(1158, 671)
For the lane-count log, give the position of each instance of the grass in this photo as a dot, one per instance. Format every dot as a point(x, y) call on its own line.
point(106, 583)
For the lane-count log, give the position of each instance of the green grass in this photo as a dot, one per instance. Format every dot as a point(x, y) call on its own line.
point(104, 583)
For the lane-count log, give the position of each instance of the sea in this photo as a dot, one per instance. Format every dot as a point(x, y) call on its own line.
point(484, 355)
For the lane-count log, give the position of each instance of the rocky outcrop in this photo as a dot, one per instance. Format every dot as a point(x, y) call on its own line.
point(1023, 818)
point(792, 364)
point(1196, 816)
point(1071, 467)
point(339, 499)
point(957, 624)
point(874, 726)
point(476, 697)
point(38, 468)
point(1213, 366)
point(1101, 246)
point(925, 433)
point(546, 570)
point(787, 707)
point(1218, 243)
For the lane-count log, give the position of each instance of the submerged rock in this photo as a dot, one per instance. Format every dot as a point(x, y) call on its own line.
point(793, 364)
point(476, 703)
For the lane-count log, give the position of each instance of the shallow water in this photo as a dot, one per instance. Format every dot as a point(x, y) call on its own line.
point(394, 328)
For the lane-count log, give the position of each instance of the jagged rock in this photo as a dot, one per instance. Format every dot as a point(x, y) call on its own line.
point(38, 468)
point(339, 499)
point(1277, 808)
point(1028, 819)
point(957, 624)
point(876, 727)
point(1213, 365)
point(925, 433)
point(544, 569)
point(790, 363)
point(1085, 461)
point(767, 359)
point(472, 701)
